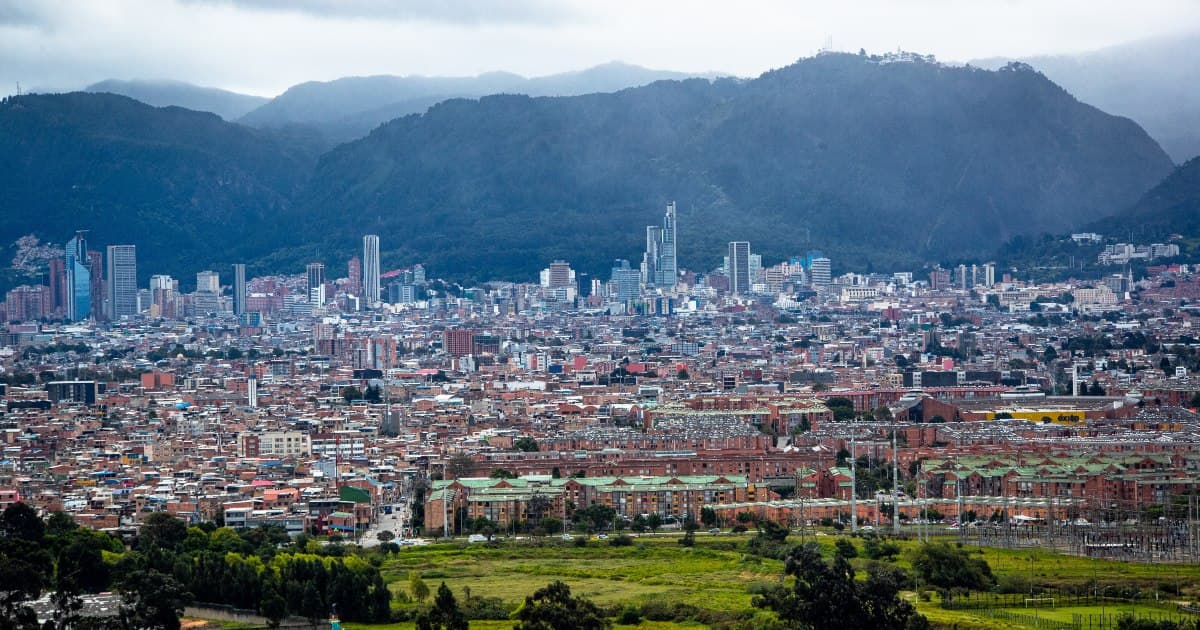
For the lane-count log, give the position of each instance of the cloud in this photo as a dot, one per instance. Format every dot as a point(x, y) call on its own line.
point(466, 12)
point(17, 13)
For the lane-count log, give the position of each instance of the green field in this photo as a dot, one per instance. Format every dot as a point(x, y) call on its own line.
point(716, 576)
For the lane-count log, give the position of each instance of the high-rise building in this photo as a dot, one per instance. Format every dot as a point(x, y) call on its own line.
point(162, 296)
point(659, 263)
point(457, 342)
point(418, 272)
point(371, 269)
point(27, 303)
point(208, 282)
point(739, 267)
point(122, 281)
point(316, 283)
point(560, 275)
point(354, 277)
point(78, 279)
point(239, 289)
point(626, 281)
point(96, 291)
point(57, 281)
point(668, 268)
point(820, 271)
point(989, 274)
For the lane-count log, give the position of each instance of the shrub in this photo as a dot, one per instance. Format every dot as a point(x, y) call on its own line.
point(630, 616)
point(620, 541)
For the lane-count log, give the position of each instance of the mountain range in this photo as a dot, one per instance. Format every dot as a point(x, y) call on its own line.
point(1150, 81)
point(878, 161)
point(164, 93)
point(350, 107)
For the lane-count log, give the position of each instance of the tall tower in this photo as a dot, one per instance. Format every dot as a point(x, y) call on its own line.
point(79, 279)
point(316, 283)
point(371, 269)
point(239, 288)
point(667, 269)
point(354, 276)
point(96, 291)
point(739, 267)
point(650, 258)
point(122, 281)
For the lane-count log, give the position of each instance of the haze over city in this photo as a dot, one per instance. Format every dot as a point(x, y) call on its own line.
point(262, 47)
point(580, 315)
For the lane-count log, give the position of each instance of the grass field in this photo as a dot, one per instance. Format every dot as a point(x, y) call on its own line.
point(717, 573)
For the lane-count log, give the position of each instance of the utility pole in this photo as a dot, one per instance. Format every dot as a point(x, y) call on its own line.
point(853, 480)
point(895, 484)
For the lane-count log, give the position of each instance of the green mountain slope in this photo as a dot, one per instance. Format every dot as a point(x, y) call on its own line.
point(1172, 207)
point(189, 189)
point(875, 163)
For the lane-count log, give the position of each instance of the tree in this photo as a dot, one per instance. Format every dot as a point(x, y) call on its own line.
point(458, 466)
point(947, 567)
point(25, 568)
point(708, 516)
point(351, 394)
point(827, 595)
point(502, 473)
point(385, 535)
point(682, 374)
point(445, 613)
point(150, 599)
point(845, 548)
point(654, 521)
point(272, 606)
point(525, 444)
point(553, 608)
point(162, 530)
point(689, 528)
point(20, 521)
point(417, 586)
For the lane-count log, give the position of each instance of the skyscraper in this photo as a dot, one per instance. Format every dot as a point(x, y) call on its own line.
point(316, 283)
point(659, 265)
point(371, 269)
point(739, 267)
point(96, 292)
point(239, 289)
point(354, 276)
point(820, 271)
point(122, 281)
point(667, 269)
point(78, 279)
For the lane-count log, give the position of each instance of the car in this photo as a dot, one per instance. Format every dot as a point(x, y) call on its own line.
point(714, 531)
point(476, 538)
point(602, 537)
point(568, 537)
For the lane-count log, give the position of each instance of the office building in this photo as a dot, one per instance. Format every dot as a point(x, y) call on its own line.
point(820, 271)
point(122, 281)
point(208, 281)
point(78, 279)
point(371, 269)
point(560, 275)
point(659, 263)
point(626, 281)
point(316, 283)
point(239, 289)
point(738, 267)
point(354, 276)
point(96, 292)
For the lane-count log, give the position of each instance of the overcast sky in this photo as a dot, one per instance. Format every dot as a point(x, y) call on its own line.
point(264, 46)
